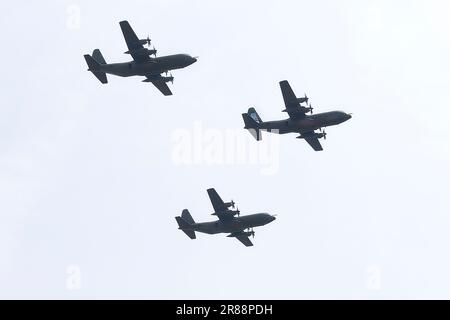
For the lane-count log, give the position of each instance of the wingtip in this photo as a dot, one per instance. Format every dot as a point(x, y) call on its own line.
point(124, 24)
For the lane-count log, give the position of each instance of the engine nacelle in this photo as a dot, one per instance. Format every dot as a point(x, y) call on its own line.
point(300, 109)
point(144, 41)
point(320, 135)
point(165, 79)
point(229, 204)
point(244, 233)
point(142, 51)
point(315, 135)
point(151, 51)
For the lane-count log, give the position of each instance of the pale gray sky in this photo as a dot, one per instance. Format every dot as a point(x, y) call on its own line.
point(88, 180)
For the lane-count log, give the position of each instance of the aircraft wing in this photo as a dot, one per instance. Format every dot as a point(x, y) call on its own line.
point(162, 86)
point(216, 201)
point(245, 240)
point(290, 101)
point(313, 141)
point(133, 42)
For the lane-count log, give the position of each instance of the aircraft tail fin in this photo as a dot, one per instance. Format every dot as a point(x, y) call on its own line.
point(252, 123)
point(94, 67)
point(254, 115)
point(185, 223)
point(97, 55)
point(186, 216)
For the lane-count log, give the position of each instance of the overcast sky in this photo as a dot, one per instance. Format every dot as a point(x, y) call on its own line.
point(91, 175)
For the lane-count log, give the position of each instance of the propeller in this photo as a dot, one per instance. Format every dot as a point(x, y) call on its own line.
point(250, 230)
point(232, 204)
point(171, 78)
point(148, 40)
point(311, 108)
point(154, 49)
point(324, 134)
point(238, 212)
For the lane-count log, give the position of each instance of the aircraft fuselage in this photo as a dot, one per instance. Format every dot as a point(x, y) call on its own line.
point(308, 123)
point(235, 224)
point(155, 66)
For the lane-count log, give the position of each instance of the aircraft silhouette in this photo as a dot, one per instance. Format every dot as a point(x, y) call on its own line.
point(230, 221)
point(142, 65)
point(298, 122)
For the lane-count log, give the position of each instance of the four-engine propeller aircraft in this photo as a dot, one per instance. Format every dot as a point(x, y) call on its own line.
point(142, 65)
point(298, 122)
point(230, 221)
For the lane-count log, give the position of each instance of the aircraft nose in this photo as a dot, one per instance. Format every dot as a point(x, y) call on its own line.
point(194, 59)
point(349, 116)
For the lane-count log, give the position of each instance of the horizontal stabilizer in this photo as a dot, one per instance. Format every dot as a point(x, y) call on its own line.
point(190, 234)
point(101, 76)
point(256, 133)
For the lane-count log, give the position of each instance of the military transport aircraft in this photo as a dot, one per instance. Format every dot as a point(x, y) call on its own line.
point(230, 221)
point(142, 65)
point(298, 122)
